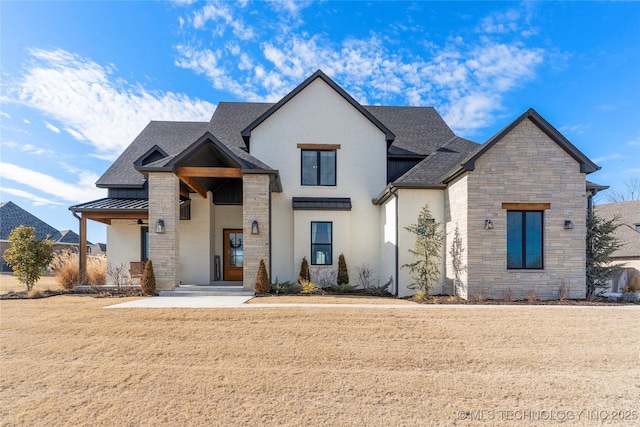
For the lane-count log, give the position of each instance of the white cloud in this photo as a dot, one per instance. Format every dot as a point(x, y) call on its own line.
point(466, 82)
point(221, 13)
point(26, 121)
point(35, 200)
point(3, 114)
point(93, 104)
point(81, 191)
point(51, 127)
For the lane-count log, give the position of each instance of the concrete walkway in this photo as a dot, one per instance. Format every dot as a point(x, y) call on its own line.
point(185, 302)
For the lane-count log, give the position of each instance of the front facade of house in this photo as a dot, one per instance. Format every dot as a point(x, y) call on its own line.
point(317, 175)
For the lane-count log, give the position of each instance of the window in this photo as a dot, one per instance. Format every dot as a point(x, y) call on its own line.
point(321, 243)
point(144, 243)
point(318, 167)
point(524, 240)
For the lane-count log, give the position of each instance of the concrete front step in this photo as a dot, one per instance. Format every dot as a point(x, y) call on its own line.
point(206, 291)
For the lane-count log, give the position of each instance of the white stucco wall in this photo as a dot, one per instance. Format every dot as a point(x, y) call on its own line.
point(389, 241)
point(196, 242)
point(123, 242)
point(411, 203)
point(319, 115)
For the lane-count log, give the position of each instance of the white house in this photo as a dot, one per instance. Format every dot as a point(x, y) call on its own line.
point(317, 175)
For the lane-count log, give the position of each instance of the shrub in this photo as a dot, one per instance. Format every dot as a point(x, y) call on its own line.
point(343, 273)
point(532, 294)
point(507, 294)
point(343, 288)
point(370, 285)
point(286, 287)
point(563, 291)
point(148, 281)
point(263, 285)
point(324, 277)
point(308, 287)
point(28, 256)
point(379, 290)
point(304, 270)
point(65, 268)
point(118, 274)
point(420, 296)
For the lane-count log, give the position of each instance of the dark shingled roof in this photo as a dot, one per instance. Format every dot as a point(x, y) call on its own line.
point(629, 215)
point(111, 203)
point(12, 216)
point(321, 203)
point(418, 130)
point(433, 169)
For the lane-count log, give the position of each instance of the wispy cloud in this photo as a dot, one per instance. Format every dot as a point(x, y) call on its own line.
point(5, 115)
point(634, 142)
point(612, 156)
point(466, 81)
point(26, 121)
point(82, 190)
point(51, 127)
point(94, 105)
point(35, 200)
point(26, 148)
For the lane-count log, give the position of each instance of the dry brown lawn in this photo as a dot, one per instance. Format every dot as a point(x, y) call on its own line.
point(8, 283)
point(66, 360)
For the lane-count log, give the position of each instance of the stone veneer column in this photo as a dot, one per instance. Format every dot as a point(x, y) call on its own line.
point(255, 207)
point(164, 249)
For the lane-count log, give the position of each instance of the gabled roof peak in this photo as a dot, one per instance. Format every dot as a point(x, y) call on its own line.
point(319, 74)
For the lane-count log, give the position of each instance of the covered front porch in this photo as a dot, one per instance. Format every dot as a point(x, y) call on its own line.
point(205, 222)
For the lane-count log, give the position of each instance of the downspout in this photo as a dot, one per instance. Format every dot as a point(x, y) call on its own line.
point(396, 290)
point(81, 256)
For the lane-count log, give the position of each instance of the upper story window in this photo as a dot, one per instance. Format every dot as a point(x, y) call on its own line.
point(319, 167)
point(524, 240)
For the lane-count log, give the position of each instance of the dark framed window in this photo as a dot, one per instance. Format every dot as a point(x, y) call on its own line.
point(321, 243)
point(144, 244)
point(525, 240)
point(319, 167)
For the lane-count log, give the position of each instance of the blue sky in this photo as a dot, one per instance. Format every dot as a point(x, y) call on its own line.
point(81, 79)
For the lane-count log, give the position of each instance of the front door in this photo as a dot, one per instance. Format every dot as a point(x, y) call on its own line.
point(233, 255)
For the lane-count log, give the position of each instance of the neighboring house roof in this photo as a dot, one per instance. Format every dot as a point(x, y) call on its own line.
point(628, 214)
point(246, 133)
point(586, 165)
point(12, 216)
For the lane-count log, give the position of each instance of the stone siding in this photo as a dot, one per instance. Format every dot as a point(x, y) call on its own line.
point(526, 166)
point(255, 202)
point(164, 249)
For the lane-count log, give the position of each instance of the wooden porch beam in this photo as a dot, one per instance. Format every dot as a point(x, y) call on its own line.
point(184, 192)
point(209, 172)
point(115, 215)
point(191, 183)
point(83, 250)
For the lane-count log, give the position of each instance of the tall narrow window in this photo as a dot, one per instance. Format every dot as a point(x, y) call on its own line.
point(524, 240)
point(321, 243)
point(318, 167)
point(144, 244)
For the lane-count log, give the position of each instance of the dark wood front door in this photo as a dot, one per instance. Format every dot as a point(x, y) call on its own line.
point(233, 255)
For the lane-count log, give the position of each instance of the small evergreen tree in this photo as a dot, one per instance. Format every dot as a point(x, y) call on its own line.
point(425, 271)
point(148, 281)
point(601, 244)
point(343, 273)
point(304, 270)
point(28, 256)
point(263, 285)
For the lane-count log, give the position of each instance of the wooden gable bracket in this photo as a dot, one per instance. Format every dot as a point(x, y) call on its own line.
point(187, 173)
point(191, 183)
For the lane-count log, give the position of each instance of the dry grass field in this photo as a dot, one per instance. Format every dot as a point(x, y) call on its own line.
point(8, 283)
point(66, 360)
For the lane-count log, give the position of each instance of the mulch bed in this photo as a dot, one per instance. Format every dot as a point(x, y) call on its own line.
point(95, 292)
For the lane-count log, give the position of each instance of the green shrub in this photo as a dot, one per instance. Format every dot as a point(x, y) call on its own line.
point(343, 273)
point(344, 288)
point(148, 281)
point(286, 287)
point(28, 256)
point(304, 270)
point(379, 290)
point(263, 285)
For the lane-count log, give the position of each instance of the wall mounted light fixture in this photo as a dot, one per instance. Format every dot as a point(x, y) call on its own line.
point(488, 225)
point(254, 228)
point(568, 224)
point(160, 226)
